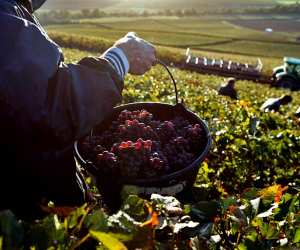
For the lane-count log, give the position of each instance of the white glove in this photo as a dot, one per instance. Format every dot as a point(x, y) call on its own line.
point(140, 53)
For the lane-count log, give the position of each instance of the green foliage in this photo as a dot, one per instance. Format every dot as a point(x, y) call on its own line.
point(10, 229)
point(80, 42)
point(228, 223)
point(108, 240)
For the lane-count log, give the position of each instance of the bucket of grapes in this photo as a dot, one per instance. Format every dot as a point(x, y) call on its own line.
point(152, 147)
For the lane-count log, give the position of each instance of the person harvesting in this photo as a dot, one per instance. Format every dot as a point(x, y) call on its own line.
point(47, 104)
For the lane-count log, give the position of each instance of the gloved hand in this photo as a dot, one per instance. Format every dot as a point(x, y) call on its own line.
point(140, 53)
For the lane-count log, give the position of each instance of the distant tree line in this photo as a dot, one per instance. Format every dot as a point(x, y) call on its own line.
point(277, 9)
point(64, 16)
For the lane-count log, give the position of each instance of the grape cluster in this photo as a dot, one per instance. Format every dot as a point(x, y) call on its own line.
point(166, 131)
point(141, 116)
point(181, 146)
point(133, 130)
point(194, 135)
point(137, 146)
point(107, 160)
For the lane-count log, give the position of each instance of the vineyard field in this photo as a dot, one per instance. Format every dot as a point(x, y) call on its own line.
point(200, 34)
point(246, 195)
point(168, 54)
point(247, 192)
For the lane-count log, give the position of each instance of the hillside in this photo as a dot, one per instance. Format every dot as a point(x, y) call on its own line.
point(155, 4)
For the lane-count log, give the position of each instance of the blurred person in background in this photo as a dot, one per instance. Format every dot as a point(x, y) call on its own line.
point(47, 104)
point(228, 89)
point(273, 104)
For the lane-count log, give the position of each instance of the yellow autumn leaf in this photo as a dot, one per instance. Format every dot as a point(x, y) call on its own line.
point(108, 240)
point(269, 191)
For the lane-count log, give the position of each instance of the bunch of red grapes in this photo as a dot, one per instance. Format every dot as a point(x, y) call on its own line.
point(136, 146)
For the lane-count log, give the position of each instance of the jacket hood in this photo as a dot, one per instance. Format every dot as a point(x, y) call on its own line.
point(36, 4)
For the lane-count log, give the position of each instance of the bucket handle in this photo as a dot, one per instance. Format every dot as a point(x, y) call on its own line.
point(171, 76)
point(173, 81)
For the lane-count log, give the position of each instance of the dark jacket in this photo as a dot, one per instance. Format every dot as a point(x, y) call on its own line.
point(45, 104)
point(272, 104)
point(228, 91)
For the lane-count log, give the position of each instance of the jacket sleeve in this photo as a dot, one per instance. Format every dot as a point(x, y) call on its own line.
point(51, 100)
point(79, 96)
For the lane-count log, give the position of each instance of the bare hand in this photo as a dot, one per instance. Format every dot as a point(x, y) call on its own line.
point(140, 53)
